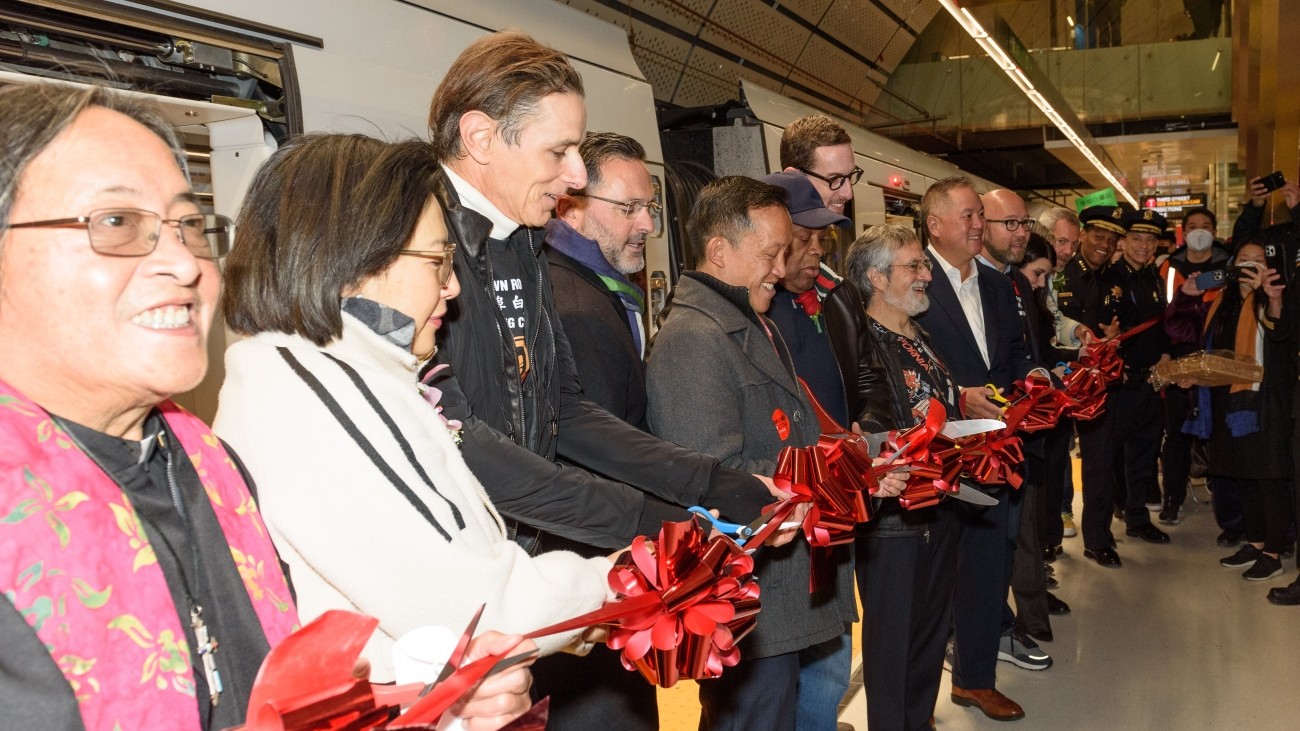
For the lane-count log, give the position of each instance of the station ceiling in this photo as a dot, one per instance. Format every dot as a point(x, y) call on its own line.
point(840, 55)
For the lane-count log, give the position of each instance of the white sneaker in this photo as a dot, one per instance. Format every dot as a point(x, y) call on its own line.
point(1068, 529)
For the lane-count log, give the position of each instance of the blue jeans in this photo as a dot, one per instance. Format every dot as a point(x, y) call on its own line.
point(824, 671)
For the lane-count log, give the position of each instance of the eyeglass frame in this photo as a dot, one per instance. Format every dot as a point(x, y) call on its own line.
point(835, 182)
point(85, 221)
point(916, 266)
point(1012, 224)
point(653, 206)
point(446, 266)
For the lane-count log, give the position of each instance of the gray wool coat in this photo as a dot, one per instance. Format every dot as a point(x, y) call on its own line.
point(716, 383)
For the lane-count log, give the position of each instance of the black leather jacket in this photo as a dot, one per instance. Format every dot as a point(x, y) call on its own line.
point(877, 396)
point(552, 418)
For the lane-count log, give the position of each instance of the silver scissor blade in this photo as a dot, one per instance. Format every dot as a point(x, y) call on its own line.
point(967, 427)
point(967, 492)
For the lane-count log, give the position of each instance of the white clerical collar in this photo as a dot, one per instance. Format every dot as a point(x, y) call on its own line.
point(502, 226)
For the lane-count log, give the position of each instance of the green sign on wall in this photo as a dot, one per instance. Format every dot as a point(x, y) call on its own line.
point(1103, 197)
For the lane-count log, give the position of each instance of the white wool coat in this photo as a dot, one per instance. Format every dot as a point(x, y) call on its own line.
point(351, 538)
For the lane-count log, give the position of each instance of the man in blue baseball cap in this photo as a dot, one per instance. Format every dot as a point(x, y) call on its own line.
point(824, 669)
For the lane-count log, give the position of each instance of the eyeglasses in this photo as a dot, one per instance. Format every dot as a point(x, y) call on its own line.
point(835, 182)
point(1012, 223)
point(915, 266)
point(631, 209)
point(442, 258)
point(133, 232)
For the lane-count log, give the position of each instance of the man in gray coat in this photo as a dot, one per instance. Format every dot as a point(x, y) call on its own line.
point(720, 380)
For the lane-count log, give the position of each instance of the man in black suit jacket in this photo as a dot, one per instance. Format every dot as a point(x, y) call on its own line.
point(974, 324)
point(1006, 236)
point(597, 240)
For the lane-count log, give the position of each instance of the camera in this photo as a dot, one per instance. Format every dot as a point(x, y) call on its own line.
point(1273, 181)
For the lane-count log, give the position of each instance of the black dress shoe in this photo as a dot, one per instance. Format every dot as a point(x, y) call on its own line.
point(1104, 557)
point(1052, 583)
point(1148, 533)
point(1049, 554)
point(1055, 605)
point(1286, 596)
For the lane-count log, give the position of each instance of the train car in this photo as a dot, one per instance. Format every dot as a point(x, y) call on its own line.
point(239, 76)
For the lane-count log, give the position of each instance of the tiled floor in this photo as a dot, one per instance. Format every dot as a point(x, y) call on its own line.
point(1170, 641)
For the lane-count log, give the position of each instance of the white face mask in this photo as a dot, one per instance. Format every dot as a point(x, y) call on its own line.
point(1199, 240)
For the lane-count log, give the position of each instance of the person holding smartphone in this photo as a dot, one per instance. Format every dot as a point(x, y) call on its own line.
point(1245, 423)
point(1261, 189)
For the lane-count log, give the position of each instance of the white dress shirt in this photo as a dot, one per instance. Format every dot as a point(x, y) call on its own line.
point(968, 294)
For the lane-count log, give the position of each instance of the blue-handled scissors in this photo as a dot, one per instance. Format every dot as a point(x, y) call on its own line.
point(1063, 364)
point(741, 532)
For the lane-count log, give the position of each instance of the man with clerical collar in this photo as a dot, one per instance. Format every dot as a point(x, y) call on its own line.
point(721, 380)
point(796, 310)
point(969, 302)
point(1137, 412)
point(508, 120)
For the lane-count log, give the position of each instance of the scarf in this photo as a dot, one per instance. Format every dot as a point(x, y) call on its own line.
point(1242, 418)
point(81, 569)
point(563, 238)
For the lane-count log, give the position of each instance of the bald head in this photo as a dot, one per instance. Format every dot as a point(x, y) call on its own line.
point(1006, 229)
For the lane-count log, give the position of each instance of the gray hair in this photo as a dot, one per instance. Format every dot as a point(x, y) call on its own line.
point(874, 251)
point(32, 116)
point(1055, 215)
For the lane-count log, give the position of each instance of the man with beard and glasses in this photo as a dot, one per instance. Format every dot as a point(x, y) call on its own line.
point(594, 243)
point(969, 304)
point(1006, 234)
point(904, 559)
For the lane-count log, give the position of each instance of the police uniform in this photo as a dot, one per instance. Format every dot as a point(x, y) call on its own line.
point(1091, 296)
point(1137, 420)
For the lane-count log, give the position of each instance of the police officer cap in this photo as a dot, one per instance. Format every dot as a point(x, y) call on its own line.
point(1146, 221)
point(1109, 218)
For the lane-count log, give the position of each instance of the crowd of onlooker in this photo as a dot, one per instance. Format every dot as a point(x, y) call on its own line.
point(447, 396)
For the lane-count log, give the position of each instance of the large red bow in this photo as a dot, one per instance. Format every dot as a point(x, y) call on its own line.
point(684, 604)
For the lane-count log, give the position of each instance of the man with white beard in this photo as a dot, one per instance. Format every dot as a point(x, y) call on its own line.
point(905, 559)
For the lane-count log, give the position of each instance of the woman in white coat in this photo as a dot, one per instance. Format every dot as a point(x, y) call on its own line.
point(340, 275)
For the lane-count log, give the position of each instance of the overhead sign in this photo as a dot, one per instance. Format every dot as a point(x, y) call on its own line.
point(1103, 197)
point(1174, 205)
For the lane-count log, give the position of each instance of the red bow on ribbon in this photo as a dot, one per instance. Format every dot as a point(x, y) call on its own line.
point(682, 607)
point(1036, 405)
point(306, 684)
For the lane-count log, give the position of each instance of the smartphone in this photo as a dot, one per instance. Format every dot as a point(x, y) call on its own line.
point(1205, 281)
point(1273, 180)
point(1275, 254)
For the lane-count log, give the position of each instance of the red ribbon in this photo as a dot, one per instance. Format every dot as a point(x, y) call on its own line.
point(306, 684)
point(682, 607)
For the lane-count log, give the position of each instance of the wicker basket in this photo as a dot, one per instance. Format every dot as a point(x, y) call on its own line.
point(1214, 368)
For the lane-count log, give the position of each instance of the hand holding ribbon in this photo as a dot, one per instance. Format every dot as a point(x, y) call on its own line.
point(684, 604)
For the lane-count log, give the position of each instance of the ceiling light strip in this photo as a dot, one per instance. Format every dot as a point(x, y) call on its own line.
point(1017, 75)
